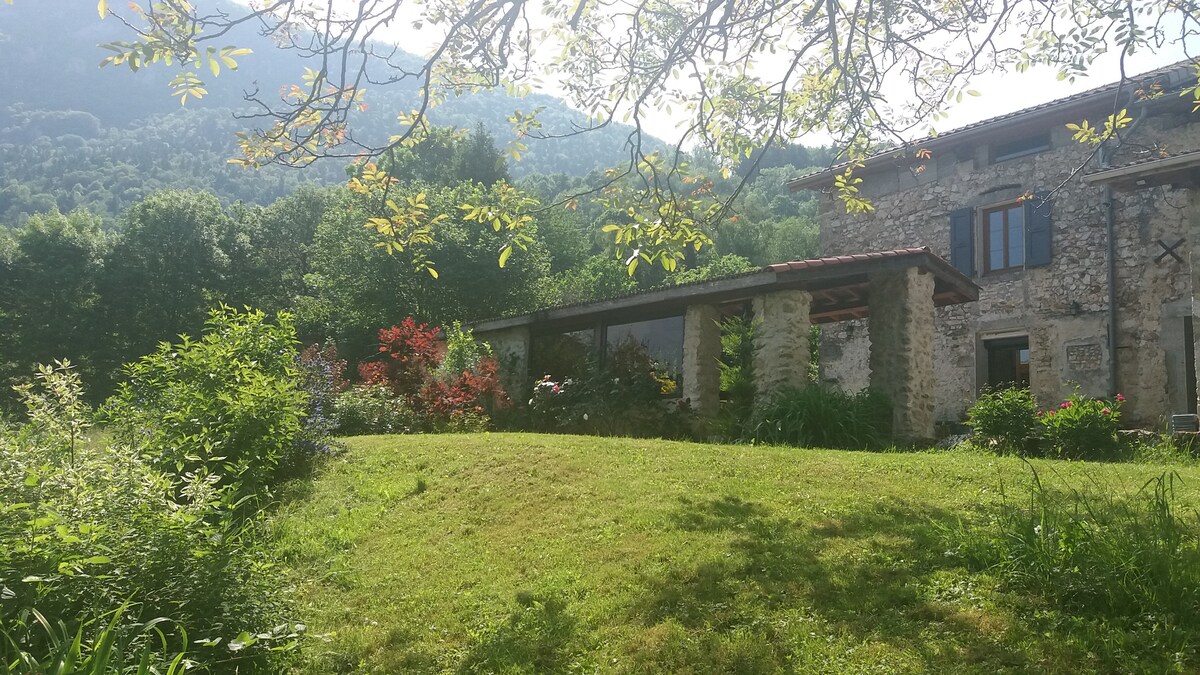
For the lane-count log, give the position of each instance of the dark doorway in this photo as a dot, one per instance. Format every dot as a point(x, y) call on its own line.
point(1008, 361)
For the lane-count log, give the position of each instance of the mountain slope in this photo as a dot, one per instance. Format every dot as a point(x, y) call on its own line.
point(73, 134)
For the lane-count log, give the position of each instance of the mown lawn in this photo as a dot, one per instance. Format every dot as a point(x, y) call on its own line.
point(532, 553)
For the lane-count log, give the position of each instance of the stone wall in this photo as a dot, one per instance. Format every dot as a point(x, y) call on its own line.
point(701, 359)
point(781, 340)
point(901, 358)
point(1062, 307)
point(511, 348)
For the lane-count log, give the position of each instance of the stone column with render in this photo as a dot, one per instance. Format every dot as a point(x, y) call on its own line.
point(511, 348)
point(701, 357)
point(781, 353)
point(901, 327)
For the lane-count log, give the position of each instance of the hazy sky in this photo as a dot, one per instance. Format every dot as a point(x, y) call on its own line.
point(1000, 93)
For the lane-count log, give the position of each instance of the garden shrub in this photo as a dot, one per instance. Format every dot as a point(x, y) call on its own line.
point(451, 387)
point(408, 355)
point(1006, 418)
point(100, 535)
point(373, 409)
point(1082, 427)
point(1127, 565)
point(822, 416)
point(227, 405)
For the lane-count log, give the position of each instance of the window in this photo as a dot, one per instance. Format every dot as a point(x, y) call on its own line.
point(655, 345)
point(1008, 362)
point(562, 355)
point(1020, 147)
point(1004, 238)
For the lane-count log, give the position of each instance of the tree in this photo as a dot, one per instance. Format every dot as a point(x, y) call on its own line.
point(750, 74)
point(49, 271)
point(164, 272)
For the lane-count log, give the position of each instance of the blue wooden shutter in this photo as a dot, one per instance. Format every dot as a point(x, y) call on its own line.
point(962, 240)
point(1037, 231)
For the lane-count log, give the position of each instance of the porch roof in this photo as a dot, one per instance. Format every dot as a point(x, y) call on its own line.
point(838, 286)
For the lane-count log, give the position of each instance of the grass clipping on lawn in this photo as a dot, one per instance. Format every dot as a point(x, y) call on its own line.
point(536, 553)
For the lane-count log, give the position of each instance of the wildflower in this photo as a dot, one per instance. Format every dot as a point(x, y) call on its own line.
point(1121, 398)
point(1037, 529)
point(1052, 413)
point(1064, 405)
point(1106, 411)
point(1039, 413)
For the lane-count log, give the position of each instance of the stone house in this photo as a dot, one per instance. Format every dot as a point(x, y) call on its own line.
point(1082, 255)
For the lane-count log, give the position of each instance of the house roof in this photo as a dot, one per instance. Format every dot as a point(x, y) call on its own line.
point(1175, 74)
point(838, 286)
point(1147, 171)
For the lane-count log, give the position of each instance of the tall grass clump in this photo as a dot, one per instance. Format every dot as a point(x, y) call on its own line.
point(1129, 562)
point(822, 416)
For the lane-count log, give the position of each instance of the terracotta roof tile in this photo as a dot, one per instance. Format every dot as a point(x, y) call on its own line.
point(843, 259)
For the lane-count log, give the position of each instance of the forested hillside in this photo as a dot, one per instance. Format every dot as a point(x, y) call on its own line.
point(73, 134)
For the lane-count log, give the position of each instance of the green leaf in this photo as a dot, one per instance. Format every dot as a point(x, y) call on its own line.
point(504, 255)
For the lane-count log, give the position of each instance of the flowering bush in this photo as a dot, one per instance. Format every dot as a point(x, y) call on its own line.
point(322, 377)
point(1082, 427)
point(1006, 419)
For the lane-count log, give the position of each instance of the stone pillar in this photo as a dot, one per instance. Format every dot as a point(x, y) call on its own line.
point(781, 341)
point(511, 348)
point(701, 359)
point(901, 330)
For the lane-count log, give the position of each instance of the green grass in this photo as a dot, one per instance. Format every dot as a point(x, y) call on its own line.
point(532, 553)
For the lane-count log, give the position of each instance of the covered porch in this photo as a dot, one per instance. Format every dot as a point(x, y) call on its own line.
point(896, 291)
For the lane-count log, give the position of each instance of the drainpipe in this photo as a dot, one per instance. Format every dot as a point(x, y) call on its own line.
point(1110, 223)
point(1110, 227)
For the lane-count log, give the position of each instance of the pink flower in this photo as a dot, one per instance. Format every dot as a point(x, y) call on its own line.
point(1121, 398)
point(1039, 413)
point(1064, 405)
point(1106, 411)
point(1052, 413)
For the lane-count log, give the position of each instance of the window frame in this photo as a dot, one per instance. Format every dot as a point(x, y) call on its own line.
point(986, 237)
point(1033, 145)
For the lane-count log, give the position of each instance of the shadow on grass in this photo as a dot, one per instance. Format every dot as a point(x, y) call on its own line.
point(535, 638)
point(854, 586)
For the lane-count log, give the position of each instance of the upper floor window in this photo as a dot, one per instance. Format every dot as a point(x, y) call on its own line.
point(1021, 147)
point(1004, 238)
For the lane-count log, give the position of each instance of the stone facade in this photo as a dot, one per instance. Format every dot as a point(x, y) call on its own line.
point(701, 359)
point(1061, 308)
point(901, 356)
point(511, 348)
point(781, 352)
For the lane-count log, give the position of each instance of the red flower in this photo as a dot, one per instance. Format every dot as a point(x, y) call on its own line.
point(1039, 413)
point(1064, 405)
point(1106, 411)
point(1121, 398)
